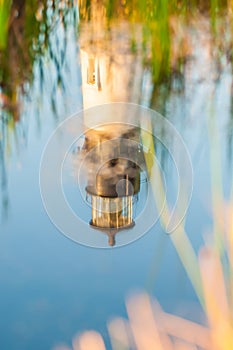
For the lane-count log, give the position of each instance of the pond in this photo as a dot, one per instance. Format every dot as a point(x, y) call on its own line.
point(158, 75)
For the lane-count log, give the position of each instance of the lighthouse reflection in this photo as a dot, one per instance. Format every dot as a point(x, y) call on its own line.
point(113, 156)
point(113, 163)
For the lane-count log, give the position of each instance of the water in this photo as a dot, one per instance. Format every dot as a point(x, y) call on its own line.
point(52, 287)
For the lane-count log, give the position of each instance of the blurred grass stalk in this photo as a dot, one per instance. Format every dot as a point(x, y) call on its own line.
point(5, 9)
point(222, 212)
point(179, 237)
point(211, 275)
point(147, 327)
point(218, 207)
point(217, 307)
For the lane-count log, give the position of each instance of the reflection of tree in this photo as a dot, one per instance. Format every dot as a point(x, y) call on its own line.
point(30, 25)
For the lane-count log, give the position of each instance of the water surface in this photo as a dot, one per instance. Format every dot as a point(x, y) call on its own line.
point(51, 287)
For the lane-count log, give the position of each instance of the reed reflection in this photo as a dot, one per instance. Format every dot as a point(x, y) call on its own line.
point(28, 26)
point(28, 38)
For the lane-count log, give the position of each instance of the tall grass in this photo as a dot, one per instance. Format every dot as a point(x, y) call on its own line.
point(5, 8)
